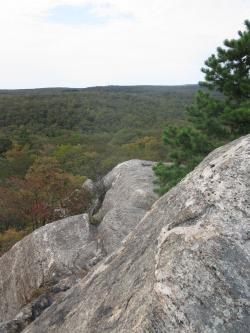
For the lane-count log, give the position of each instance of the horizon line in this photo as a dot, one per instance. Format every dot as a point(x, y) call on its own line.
point(103, 86)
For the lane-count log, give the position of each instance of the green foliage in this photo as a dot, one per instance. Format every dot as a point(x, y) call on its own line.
point(205, 114)
point(95, 110)
point(187, 141)
point(87, 130)
point(214, 118)
point(238, 120)
point(228, 70)
point(16, 162)
point(5, 145)
point(171, 172)
point(186, 146)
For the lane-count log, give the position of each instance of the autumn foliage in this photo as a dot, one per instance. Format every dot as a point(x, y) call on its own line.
point(45, 194)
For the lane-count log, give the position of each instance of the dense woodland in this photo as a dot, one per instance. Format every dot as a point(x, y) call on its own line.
point(52, 139)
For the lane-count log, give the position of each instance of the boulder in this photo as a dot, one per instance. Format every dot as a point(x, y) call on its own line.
point(184, 268)
point(42, 259)
point(54, 257)
point(129, 195)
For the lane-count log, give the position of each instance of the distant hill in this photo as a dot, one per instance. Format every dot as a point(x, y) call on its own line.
point(94, 109)
point(92, 128)
point(112, 88)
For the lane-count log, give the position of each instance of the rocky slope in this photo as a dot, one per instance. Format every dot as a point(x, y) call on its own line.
point(56, 256)
point(184, 267)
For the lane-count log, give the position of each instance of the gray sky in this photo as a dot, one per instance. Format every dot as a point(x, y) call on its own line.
point(79, 43)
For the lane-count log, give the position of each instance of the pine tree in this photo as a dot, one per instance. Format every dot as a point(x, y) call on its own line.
point(228, 70)
point(219, 114)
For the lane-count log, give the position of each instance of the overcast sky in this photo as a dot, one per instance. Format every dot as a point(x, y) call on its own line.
point(80, 43)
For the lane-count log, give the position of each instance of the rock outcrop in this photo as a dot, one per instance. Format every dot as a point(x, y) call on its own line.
point(129, 195)
point(43, 258)
point(54, 257)
point(183, 268)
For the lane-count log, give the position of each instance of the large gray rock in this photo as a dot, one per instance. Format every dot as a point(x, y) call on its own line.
point(129, 195)
point(46, 256)
point(184, 268)
point(46, 260)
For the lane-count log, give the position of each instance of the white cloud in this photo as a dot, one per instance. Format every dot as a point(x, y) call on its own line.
point(166, 42)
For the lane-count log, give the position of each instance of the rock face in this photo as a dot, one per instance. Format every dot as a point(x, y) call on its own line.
point(180, 264)
point(129, 195)
point(56, 256)
point(43, 258)
point(184, 268)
